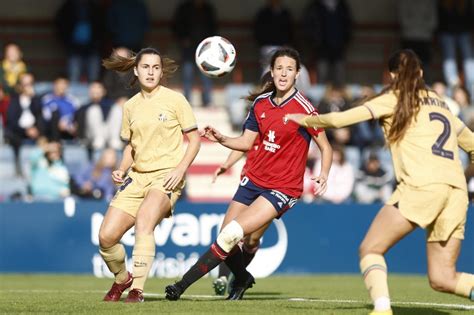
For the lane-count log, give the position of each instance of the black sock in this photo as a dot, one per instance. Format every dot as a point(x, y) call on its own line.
point(208, 261)
point(249, 253)
point(224, 271)
point(248, 257)
point(235, 262)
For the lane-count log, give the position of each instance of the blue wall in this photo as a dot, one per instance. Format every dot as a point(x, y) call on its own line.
point(43, 237)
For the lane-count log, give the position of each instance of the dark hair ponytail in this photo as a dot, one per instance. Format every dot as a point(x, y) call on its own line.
point(407, 84)
point(125, 64)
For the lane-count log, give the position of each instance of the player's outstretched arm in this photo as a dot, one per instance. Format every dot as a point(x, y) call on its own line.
point(333, 120)
point(242, 143)
point(233, 157)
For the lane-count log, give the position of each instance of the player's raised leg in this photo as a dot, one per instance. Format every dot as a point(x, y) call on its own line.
point(442, 274)
point(256, 215)
point(443, 246)
point(388, 227)
point(114, 226)
point(153, 209)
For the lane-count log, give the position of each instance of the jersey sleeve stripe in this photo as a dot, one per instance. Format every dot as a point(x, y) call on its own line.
point(304, 105)
point(371, 112)
point(458, 132)
point(303, 99)
point(190, 128)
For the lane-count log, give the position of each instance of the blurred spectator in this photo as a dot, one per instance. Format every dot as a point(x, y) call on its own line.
point(4, 103)
point(367, 133)
point(95, 180)
point(372, 182)
point(49, 176)
point(58, 111)
point(80, 27)
point(341, 177)
point(12, 66)
point(440, 88)
point(116, 83)
point(24, 118)
point(461, 97)
point(335, 100)
point(455, 24)
point(418, 22)
point(128, 22)
point(273, 27)
point(327, 26)
point(99, 122)
point(193, 21)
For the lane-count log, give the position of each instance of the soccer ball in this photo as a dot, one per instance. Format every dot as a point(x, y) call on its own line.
point(215, 56)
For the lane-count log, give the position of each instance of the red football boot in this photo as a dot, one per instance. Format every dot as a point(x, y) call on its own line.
point(135, 296)
point(117, 289)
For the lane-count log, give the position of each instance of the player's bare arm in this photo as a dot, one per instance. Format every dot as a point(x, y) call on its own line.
point(333, 120)
point(326, 162)
point(127, 160)
point(233, 157)
point(176, 176)
point(242, 143)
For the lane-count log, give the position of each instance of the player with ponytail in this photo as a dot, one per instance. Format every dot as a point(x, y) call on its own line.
point(423, 137)
point(151, 173)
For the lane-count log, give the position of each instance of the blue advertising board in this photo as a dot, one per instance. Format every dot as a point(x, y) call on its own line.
point(318, 238)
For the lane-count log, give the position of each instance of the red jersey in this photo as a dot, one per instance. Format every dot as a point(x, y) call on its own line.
point(250, 157)
point(280, 161)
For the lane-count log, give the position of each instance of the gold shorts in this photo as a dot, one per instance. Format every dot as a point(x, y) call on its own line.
point(441, 209)
point(136, 186)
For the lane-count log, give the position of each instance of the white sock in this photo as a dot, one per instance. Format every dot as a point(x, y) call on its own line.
point(382, 304)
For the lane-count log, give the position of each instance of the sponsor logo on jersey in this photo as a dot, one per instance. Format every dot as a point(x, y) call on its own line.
point(162, 117)
point(263, 115)
point(270, 145)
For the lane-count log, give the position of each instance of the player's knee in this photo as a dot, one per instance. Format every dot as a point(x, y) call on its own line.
point(230, 235)
point(365, 249)
point(441, 281)
point(107, 238)
point(143, 226)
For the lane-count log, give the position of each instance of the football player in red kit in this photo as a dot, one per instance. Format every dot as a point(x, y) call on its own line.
point(273, 182)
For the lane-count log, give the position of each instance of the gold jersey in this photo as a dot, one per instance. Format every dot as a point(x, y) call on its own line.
point(428, 152)
point(154, 127)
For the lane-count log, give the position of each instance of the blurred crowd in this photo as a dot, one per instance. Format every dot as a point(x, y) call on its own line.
point(48, 115)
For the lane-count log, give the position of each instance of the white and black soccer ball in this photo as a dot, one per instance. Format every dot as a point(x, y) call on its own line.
point(215, 56)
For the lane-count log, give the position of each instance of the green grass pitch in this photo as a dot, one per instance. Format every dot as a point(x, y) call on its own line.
point(304, 294)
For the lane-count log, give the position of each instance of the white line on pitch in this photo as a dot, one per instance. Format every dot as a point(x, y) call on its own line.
point(202, 296)
point(455, 306)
